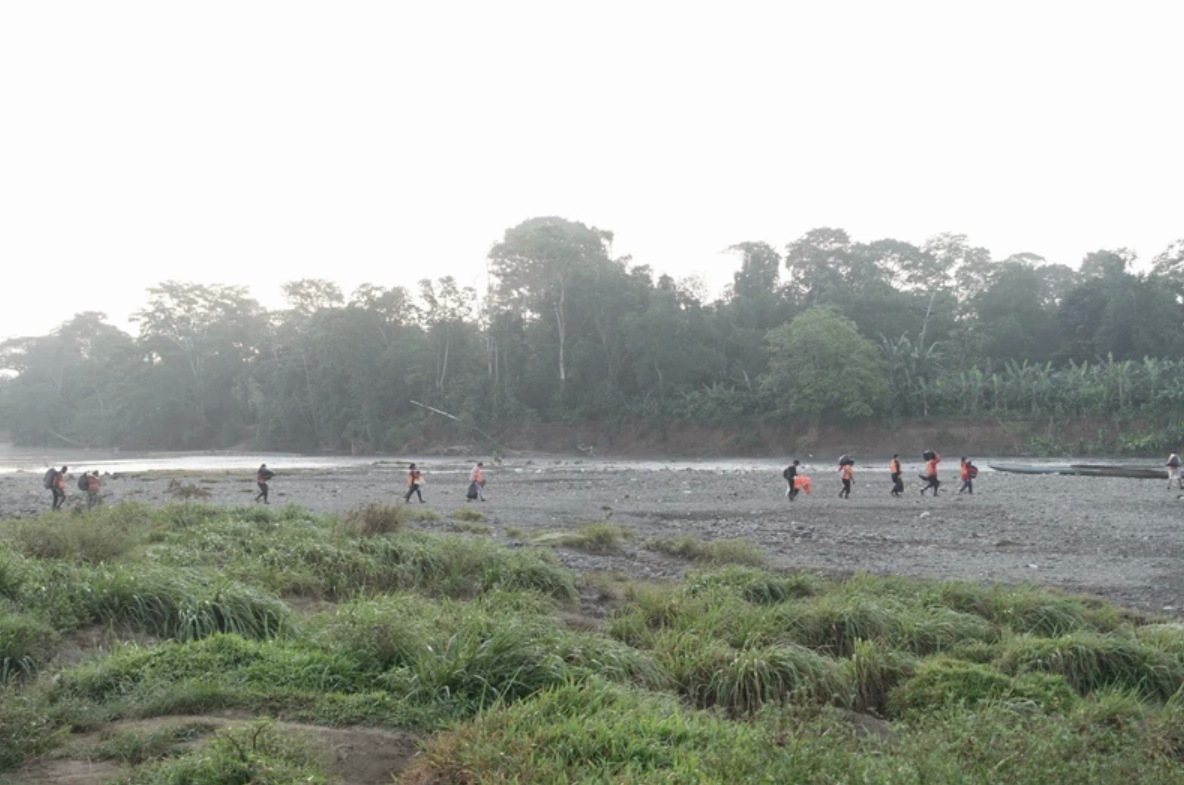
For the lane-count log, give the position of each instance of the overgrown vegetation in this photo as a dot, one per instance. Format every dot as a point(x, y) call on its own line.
point(725, 551)
point(733, 674)
point(567, 332)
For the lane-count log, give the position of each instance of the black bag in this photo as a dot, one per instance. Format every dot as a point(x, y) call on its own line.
point(929, 455)
point(472, 494)
point(266, 474)
point(845, 460)
point(785, 473)
point(84, 483)
point(48, 481)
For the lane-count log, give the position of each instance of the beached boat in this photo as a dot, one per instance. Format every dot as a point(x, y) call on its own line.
point(1030, 468)
point(1118, 470)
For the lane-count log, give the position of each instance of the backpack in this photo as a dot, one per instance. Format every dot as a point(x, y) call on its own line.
point(971, 471)
point(266, 474)
point(84, 482)
point(785, 473)
point(49, 476)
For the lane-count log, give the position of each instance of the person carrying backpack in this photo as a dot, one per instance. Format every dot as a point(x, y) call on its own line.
point(847, 473)
point(932, 459)
point(790, 474)
point(969, 472)
point(55, 481)
point(895, 471)
point(92, 490)
point(477, 483)
point(414, 482)
point(1174, 471)
point(262, 477)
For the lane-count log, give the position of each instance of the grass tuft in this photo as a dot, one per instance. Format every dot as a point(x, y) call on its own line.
point(591, 538)
point(373, 519)
point(727, 551)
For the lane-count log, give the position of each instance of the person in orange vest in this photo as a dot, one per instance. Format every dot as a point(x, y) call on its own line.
point(847, 473)
point(932, 459)
point(92, 490)
point(477, 482)
point(59, 488)
point(414, 481)
point(968, 473)
point(895, 471)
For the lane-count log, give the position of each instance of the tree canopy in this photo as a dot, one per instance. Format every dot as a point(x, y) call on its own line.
point(824, 327)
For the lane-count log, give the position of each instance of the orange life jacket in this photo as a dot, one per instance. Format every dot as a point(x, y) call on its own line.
point(965, 470)
point(931, 467)
point(413, 477)
point(802, 483)
point(894, 466)
point(93, 483)
point(847, 472)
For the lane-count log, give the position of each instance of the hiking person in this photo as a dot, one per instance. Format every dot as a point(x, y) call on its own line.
point(477, 482)
point(847, 474)
point(262, 476)
point(969, 472)
point(55, 481)
point(92, 489)
point(790, 474)
point(414, 482)
point(895, 471)
point(932, 459)
point(1174, 471)
point(801, 483)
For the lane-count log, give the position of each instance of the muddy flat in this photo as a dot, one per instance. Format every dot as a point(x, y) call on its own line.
point(1118, 538)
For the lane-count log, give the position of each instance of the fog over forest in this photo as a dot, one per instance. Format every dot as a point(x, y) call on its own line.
point(827, 328)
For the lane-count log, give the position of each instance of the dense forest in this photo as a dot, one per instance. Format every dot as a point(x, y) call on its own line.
point(822, 329)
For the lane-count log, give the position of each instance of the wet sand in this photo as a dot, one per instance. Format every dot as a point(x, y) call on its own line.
point(1122, 539)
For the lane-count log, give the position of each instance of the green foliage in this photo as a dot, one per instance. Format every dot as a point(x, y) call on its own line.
point(467, 514)
point(940, 683)
point(591, 537)
point(253, 753)
point(726, 551)
point(135, 747)
point(1090, 661)
point(820, 366)
point(26, 643)
point(372, 519)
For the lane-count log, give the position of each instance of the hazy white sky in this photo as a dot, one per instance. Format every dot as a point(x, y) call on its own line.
point(258, 142)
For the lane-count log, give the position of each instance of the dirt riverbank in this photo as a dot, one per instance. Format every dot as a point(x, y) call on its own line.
point(1122, 539)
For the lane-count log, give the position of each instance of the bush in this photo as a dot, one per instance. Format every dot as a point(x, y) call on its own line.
point(254, 753)
point(873, 671)
point(183, 491)
point(940, 683)
point(372, 519)
point(182, 604)
point(1090, 661)
point(755, 585)
point(591, 538)
point(833, 623)
point(26, 643)
point(470, 514)
point(728, 551)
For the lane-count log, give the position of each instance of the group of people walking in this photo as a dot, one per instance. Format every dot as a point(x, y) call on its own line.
point(88, 482)
point(798, 481)
point(55, 482)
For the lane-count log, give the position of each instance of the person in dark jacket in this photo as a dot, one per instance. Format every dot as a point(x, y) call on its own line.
point(262, 476)
point(790, 473)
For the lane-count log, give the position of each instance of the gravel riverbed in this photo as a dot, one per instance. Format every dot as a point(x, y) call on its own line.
point(1122, 539)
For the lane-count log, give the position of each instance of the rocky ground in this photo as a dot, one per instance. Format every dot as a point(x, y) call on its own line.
point(1122, 539)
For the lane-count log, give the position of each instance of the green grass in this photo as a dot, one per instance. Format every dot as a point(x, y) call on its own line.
point(469, 514)
point(601, 538)
point(717, 552)
point(734, 673)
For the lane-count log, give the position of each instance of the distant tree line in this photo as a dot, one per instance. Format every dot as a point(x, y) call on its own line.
point(825, 328)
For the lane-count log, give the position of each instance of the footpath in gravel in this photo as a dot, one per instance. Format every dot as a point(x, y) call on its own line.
point(1122, 539)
